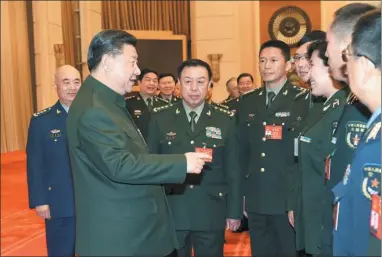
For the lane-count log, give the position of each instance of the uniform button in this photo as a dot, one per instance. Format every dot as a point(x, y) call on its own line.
point(220, 194)
point(283, 123)
point(192, 186)
point(264, 139)
point(264, 123)
point(192, 142)
point(262, 169)
point(262, 154)
point(49, 188)
point(247, 176)
point(169, 143)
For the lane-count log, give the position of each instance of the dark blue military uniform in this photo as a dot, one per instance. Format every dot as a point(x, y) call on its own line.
point(50, 178)
point(354, 194)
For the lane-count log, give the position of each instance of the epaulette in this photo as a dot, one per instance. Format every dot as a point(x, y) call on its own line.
point(251, 91)
point(224, 111)
point(220, 105)
point(230, 100)
point(302, 92)
point(351, 98)
point(161, 99)
point(45, 111)
point(130, 97)
point(164, 107)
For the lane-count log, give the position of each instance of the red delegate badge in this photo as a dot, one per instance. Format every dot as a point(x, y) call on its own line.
point(375, 217)
point(274, 132)
point(208, 151)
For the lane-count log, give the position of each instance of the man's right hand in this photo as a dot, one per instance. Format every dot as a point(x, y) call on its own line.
point(195, 162)
point(291, 218)
point(43, 211)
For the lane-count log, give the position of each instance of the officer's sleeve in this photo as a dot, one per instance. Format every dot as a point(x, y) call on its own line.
point(233, 174)
point(153, 137)
point(107, 147)
point(292, 187)
point(35, 157)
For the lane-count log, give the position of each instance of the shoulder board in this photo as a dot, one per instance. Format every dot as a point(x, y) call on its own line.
point(161, 99)
point(302, 92)
point(351, 98)
point(45, 111)
point(164, 107)
point(230, 100)
point(251, 91)
point(220, 105)
point(130, 97)
point(224, 111)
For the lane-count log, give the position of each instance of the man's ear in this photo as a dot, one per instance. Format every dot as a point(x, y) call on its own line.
point(106, 63)
point(368, 67)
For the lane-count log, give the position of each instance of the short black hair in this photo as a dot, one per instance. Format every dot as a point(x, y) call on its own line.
point(243, 75)
point(285, 49)
point(110, 41)
point(145, 71)
point(346, 17)
point(163, 75)
point(320, 46)
point(195, 63)
point(366, 37)
point(312, 36)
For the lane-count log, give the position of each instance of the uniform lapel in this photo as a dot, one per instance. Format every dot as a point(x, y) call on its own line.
point(181, 119)
point(279, 100)
point(204, 118)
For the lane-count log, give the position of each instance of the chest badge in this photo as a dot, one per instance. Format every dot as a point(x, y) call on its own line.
point(170, 135)
point(55, 134)
point(213, 132)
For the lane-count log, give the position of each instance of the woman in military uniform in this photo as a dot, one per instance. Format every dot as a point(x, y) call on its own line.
point(313, 214)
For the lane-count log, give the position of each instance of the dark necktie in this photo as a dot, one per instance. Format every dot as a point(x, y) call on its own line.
point(149, 104)
point(192, 122)
point(271, 97)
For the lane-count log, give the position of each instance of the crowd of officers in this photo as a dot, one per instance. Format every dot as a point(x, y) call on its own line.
point(290, 151)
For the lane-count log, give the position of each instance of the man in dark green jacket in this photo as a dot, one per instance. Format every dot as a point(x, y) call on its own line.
point(121, 209)
point(204, 204)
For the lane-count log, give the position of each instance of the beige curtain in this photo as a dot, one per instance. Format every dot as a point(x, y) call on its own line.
point(16, 93)
point(147, 15)
point(68, 32)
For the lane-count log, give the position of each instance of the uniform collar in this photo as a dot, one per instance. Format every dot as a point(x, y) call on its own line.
point(105, 92)
point(373, 117)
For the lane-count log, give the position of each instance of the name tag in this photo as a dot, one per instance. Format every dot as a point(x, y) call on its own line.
point(305, 139)
point(375, 217)
point(207, 151)
point(274, 132)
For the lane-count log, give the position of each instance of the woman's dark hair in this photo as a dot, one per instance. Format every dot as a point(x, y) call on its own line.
point(320, 46)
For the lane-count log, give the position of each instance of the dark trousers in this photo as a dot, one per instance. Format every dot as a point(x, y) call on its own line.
point(60, 236)
point(204, 243)
point(271, 235)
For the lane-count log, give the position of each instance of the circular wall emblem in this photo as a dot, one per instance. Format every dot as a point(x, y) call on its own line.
point(289, 24)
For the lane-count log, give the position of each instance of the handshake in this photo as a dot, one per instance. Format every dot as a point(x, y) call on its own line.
point(196, 161)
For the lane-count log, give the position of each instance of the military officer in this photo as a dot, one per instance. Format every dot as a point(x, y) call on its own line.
point(121, 208)
point(206, 203)
point(268, 125)
point(359, 194)
point(141, 104)
point(50, 186)
point(232, 100)
point(312, 218)
point(166, 87)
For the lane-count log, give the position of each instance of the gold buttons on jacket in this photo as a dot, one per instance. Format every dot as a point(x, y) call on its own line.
point(262, 169)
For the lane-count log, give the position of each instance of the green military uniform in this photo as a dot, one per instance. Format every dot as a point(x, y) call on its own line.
point(351, 126)
point(121, 209)
point(140, 112)
point(313, 214)
point(266, 141)
point(232, 103)
point(202, 204)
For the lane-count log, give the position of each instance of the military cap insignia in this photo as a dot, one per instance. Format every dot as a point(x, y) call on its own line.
point(42, 112)
point(354, 130)
point(371, 184)
point(373, 132)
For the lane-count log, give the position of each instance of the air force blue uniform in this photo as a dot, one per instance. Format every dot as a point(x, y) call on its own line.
point(50, 178)
point(362, 180)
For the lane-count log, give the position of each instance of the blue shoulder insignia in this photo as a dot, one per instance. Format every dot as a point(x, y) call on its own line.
point(45, 111)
